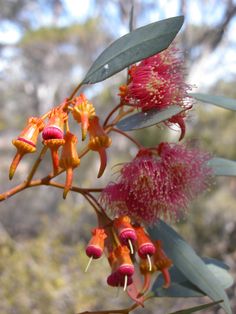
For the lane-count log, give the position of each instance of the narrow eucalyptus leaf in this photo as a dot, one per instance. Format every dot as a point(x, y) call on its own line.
point(189, 263)
point(143, 120)
point(141, 43)
point(181, 287)
point(222, 166)
point(197, 308)
point(221, 101)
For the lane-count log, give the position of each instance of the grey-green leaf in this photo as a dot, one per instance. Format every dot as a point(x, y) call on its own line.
point(189, 263)
point(181, 287)
point(142, 120)
point(132, 47)
point(222, 166)
point(221, 101)
point(196, 308)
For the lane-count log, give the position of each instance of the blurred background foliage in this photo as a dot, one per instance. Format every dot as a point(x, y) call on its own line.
point(45, 50)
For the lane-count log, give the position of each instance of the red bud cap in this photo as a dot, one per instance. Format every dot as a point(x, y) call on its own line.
point(117, 280)
point(52, 132)
point(146, 249)
point(55, 125)
point(94, 251)
point(125, 230)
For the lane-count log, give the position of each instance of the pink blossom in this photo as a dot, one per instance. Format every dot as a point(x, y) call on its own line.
point(157, 83)
point(158, 183)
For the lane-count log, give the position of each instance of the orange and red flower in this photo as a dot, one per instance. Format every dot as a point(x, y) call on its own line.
point(69, 159)
point(99, 141)
point(53, 134)
point(26, 142)
point(83, 111)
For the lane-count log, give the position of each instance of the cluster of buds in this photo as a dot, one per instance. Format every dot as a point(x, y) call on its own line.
point(54, 127)
point(120, 240)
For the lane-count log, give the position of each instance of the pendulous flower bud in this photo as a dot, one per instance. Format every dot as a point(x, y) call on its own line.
point(125, 266)
point(144, 244)
point(96, 244)
point(126, 232)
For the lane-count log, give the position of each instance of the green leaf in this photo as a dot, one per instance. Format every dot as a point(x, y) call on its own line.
point(221, 101)
point(145, 119)
point(132, 47)
point(197, 308)
point(222, 166)
point(189, 263)
point(181, 287)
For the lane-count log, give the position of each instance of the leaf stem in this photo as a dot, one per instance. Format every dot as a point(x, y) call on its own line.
point(98, 205)
point(120, 115)
point(75, 91)
point(111, 113)
point(128, 136)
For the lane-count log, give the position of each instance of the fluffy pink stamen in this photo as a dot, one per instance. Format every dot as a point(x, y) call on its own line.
point(154, 186)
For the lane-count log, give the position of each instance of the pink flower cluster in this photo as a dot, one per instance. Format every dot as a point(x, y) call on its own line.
point(158, 183)
point(157, 83)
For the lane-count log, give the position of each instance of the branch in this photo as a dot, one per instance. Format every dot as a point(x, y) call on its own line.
point(128, 136)
point(44, 181)
point(121, 311)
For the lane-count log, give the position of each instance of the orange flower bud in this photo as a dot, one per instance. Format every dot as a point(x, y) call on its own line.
point(125, 265)
point(26, 142)
point(144, 244)
point(124, 229)
point(117, 277)
point(96, 244)
point(99, 141)
point(69, 159)
point(162, 262)
point(113, 260)
point(53, 134)
point(83, 112)
point(123, 90)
